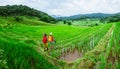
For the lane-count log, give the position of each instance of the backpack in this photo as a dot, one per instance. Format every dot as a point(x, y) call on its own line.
point(44, 40)
point(50, 38)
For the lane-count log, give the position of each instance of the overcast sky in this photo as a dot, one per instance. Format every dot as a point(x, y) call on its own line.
point(69, 7)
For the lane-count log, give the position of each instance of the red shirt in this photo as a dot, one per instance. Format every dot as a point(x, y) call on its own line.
point(44, 39)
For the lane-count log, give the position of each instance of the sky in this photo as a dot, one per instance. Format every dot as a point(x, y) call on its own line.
point(69, 7)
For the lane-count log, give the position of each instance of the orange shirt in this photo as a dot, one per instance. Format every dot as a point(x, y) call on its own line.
point(50, 38)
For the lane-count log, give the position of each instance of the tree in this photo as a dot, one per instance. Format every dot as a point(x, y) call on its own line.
point(110, 19)
point(18, 18)
point(69, 23)
point(64, 22)
point(20, 10)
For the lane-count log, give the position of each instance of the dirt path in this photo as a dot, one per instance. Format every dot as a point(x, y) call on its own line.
point(71, 56)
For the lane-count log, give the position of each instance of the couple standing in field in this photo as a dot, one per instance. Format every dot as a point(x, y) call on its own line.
point(49, 39)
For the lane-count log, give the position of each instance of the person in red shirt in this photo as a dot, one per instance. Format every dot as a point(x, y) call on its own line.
point(45, 42)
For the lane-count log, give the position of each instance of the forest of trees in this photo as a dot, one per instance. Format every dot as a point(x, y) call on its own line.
point(20, 10)
point(115, 18)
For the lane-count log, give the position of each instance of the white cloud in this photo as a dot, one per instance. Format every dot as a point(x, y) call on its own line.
point(11, 2)
point(37, 4)
point(69, 7)
point(91, 6)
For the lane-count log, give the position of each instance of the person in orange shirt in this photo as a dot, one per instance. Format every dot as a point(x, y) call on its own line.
point(51, 40)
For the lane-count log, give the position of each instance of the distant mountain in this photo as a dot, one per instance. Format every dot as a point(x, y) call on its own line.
point(79, 16)
point(56, 16)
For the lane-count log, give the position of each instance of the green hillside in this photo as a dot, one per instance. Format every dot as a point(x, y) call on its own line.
point(22, 10)
point(17, 42)
point(21, 46)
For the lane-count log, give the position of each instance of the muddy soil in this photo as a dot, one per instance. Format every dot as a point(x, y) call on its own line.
point(71, 56)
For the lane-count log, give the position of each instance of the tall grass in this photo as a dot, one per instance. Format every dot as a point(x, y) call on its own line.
point(84, 41)
point(22, 56)
point(18, 41)
point(114, 57)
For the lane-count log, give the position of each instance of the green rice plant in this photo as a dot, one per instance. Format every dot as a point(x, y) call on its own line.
point(3, 62)
point(84, 42)
point(20, 56)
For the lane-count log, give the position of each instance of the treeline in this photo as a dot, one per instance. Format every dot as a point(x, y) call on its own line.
point(115, 18)
point(21, 10)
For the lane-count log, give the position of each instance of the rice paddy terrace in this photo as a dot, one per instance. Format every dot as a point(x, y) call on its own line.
point(76, 47)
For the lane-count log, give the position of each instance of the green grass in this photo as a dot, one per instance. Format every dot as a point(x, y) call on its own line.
point(27, 20)
point(114, 49)
point(84, 41)
point(22, 56)
point(20, 39)
point(17, 43)
point(87, 22)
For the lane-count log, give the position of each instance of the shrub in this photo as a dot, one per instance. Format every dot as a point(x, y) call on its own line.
point(64, 22)
point(18, 18)
point(69, 23)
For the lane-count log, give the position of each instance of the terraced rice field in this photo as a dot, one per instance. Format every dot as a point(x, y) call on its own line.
point(76, 47)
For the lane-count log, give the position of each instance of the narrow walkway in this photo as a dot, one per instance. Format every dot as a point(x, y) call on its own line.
point(49, 58)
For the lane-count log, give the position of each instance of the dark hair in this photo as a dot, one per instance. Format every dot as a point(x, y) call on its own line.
point(45, 34)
